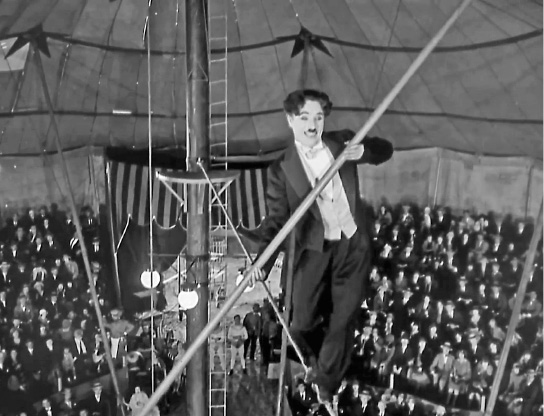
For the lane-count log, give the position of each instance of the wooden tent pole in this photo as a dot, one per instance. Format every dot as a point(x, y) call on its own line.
point(38, 60)
point(198, 218)
point(202, 337)
point(290, 258)
point(514, 319)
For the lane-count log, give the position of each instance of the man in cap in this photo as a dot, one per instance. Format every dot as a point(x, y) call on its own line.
point(119, 328)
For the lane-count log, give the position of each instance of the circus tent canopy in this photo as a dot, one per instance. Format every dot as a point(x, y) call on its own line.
point(480, 92)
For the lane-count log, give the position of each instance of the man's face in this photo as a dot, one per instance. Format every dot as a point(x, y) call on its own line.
point(308, 125)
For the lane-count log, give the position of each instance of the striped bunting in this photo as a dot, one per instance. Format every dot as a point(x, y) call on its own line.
point(246, 199)
point(130, 197)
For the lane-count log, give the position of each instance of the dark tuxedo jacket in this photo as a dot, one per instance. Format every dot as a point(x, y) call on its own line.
point(102, 407)
point(288, 186)
point(301, 406)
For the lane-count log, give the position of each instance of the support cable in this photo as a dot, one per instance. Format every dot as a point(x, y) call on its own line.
point(299, 212)
point(77, 223)
point(147, 33)
point(250, 260)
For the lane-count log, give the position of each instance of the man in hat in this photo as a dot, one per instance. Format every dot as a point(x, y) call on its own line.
point(333, 244)
point(304, 399)
point(441, 367)
point(363, 406)
point(464, 295)
point(497, 302)
point(253, 323)
point(402, 356)
point(98, 402)
point(452, 319)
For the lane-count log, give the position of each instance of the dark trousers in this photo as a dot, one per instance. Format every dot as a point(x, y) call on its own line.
point(250, 344)
point(337, 278)
point(264, 342)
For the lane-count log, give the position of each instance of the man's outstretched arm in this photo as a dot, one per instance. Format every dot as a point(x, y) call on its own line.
point(377, 150)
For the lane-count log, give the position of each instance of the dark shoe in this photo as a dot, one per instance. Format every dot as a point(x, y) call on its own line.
point(231, 372)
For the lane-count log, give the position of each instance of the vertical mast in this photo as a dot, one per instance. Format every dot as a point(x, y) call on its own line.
point(198, 148)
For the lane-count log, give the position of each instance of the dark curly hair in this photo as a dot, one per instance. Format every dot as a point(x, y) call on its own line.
point(296, 100)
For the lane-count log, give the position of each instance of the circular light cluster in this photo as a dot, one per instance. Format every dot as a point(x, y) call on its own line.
point(188, 299)
point(150, 280)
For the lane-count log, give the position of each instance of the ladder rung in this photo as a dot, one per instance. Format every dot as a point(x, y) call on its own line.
point(217, 389)
point(218, 103)
point(217, 406)
point(213, 61)
point(218, 123)
point(218, 81)
point(217, 38)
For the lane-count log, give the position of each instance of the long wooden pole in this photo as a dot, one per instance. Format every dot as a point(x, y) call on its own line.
point(77, 223)
point(301, 210)
point(198, 228)
point(514, 319)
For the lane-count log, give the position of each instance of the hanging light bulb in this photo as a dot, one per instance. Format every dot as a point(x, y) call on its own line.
point(239, 279)
point(150, 280)
point(188, 297)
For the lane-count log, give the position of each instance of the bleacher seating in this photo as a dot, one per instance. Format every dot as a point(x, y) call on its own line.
point(434, 319)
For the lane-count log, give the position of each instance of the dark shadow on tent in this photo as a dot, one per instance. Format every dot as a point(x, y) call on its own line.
point(133, 259)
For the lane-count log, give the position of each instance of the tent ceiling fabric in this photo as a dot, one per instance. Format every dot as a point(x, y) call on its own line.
point(480, 92)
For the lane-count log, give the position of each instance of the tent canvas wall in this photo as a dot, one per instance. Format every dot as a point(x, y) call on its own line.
point(424, 176)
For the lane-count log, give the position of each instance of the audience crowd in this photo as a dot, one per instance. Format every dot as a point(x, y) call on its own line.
point(439, 300)
point(49, 334)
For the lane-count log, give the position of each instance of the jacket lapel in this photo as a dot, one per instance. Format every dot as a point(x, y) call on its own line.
point(296, 175)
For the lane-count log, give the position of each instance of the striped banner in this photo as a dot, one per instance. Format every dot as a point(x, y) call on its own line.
point(246, 199)
point(130, 197)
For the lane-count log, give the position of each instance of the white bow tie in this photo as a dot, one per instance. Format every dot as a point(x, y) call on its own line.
point(313, 152)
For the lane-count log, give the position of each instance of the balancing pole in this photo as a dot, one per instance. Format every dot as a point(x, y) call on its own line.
point(202, 338)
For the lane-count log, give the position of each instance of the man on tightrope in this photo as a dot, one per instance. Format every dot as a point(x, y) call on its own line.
point(332, 253)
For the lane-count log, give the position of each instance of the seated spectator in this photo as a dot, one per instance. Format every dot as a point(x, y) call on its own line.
point(304, 400)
